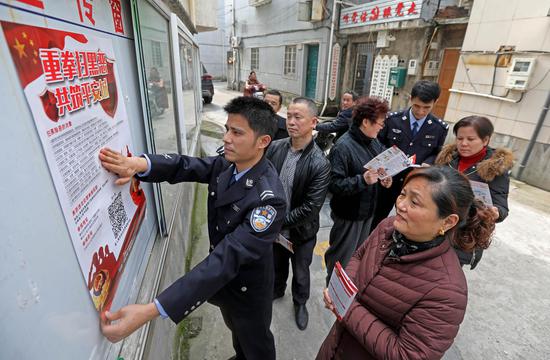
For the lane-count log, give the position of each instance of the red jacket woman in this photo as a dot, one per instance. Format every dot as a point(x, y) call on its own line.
point(412, 291)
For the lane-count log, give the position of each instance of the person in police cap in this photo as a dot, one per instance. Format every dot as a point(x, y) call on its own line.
point(246, 208)
point(416, 131)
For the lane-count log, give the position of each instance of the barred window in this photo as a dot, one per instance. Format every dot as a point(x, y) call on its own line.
point(290, 60)
point(156, 53)
point(254, 58)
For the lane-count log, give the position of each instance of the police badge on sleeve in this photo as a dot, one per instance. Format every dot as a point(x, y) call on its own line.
point(262, 217)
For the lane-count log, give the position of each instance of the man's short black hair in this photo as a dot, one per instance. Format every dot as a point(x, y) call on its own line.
point(353, 94)
point(426, 91)
point(275, 93)
point(258, 113)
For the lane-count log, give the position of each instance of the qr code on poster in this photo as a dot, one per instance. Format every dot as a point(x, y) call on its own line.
point(117, 215)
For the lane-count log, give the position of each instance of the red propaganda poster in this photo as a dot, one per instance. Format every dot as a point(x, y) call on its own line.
point(71, 82)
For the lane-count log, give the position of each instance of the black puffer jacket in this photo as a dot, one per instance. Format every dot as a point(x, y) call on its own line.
point(352, 199)
point(308, 189)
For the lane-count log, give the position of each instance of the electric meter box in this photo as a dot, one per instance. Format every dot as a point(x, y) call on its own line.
point(397, 76)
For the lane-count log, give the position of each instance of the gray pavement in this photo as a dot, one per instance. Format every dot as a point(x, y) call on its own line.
point(508, 315)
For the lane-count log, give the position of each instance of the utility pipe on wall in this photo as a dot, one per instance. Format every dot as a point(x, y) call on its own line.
point(329, 58)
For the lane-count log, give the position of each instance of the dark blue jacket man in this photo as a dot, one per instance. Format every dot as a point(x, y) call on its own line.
point(343, 120)
point(416, 131)
point(246, 208)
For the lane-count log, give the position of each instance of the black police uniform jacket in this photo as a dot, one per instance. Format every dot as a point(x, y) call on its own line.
point(426, 144)
point(243, 222)
point(281, 128)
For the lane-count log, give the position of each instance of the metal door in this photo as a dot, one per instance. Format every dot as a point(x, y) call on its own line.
point(363, 68)
point(311, 73)
point(446, 77)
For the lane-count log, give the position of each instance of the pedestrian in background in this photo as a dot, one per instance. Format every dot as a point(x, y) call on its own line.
point(252, 87)
point(343, 119)
point(246, 207)
point(416, 131)
point(275, 99)
point(471, 155)
point(354, 189)
point(412, 291)
point(305, 174)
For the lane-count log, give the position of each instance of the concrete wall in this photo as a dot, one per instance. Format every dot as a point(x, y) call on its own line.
point(214, 44)
point(527, 27)
point(270, 28)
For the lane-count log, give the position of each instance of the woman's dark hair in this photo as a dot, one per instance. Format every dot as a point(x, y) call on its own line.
point(370, 108)
point(452, 194)
point(252, 72)
point(483, 126)
point(258, 113)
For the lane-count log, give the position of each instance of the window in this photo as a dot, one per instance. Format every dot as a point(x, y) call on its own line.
point(290, 60)
point(156, 53)
point(254, 58)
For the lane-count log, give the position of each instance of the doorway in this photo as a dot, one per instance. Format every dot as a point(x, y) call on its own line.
point(311, 72)
point(446, 77)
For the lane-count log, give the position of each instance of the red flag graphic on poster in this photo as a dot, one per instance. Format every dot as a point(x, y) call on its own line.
point(26, 43)
point(70, 83)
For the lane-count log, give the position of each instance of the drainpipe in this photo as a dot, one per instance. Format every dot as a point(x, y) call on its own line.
point(534, 137)
point(329, 59)
point(234, 51)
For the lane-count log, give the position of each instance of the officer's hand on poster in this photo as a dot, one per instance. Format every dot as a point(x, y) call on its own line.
point(120, 324)
point(125, 167)
point(370, 176)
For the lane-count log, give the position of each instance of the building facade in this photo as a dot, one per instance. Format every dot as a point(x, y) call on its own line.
point(284, 41)
point(503, 75)
point(417, 39)
point(214, 44)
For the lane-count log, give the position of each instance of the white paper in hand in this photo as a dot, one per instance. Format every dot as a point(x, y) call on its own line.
point(481, 191)
point(341, 290)
point(393, 161)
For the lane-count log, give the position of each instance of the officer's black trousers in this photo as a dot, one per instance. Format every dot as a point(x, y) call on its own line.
point(301, 260)
point(252, 338)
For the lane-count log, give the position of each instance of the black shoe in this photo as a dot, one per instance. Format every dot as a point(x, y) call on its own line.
point(302, 317)
point(277, 295)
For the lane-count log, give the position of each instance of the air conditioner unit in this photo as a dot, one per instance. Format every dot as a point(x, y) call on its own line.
point(431, 68)
point(519, 73)
point(235, 41)
point(258, 2)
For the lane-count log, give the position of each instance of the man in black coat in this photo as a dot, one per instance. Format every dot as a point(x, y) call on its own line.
point(246, 207)
point(305, 174)
point(275, 99)
point(343, 121)
point(416, 131)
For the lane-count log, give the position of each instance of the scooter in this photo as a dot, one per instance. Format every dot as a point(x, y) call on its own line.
point(258, 91)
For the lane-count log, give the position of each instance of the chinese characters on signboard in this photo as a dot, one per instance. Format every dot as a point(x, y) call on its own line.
point(378, 12)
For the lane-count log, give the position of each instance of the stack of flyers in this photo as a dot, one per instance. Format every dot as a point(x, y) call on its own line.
point(482, 192)
point(287, 244)
point(341, 290)
point(392, 161)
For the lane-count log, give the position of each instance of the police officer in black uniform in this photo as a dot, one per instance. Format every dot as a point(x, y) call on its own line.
point(246, 208)
point(416, 131)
